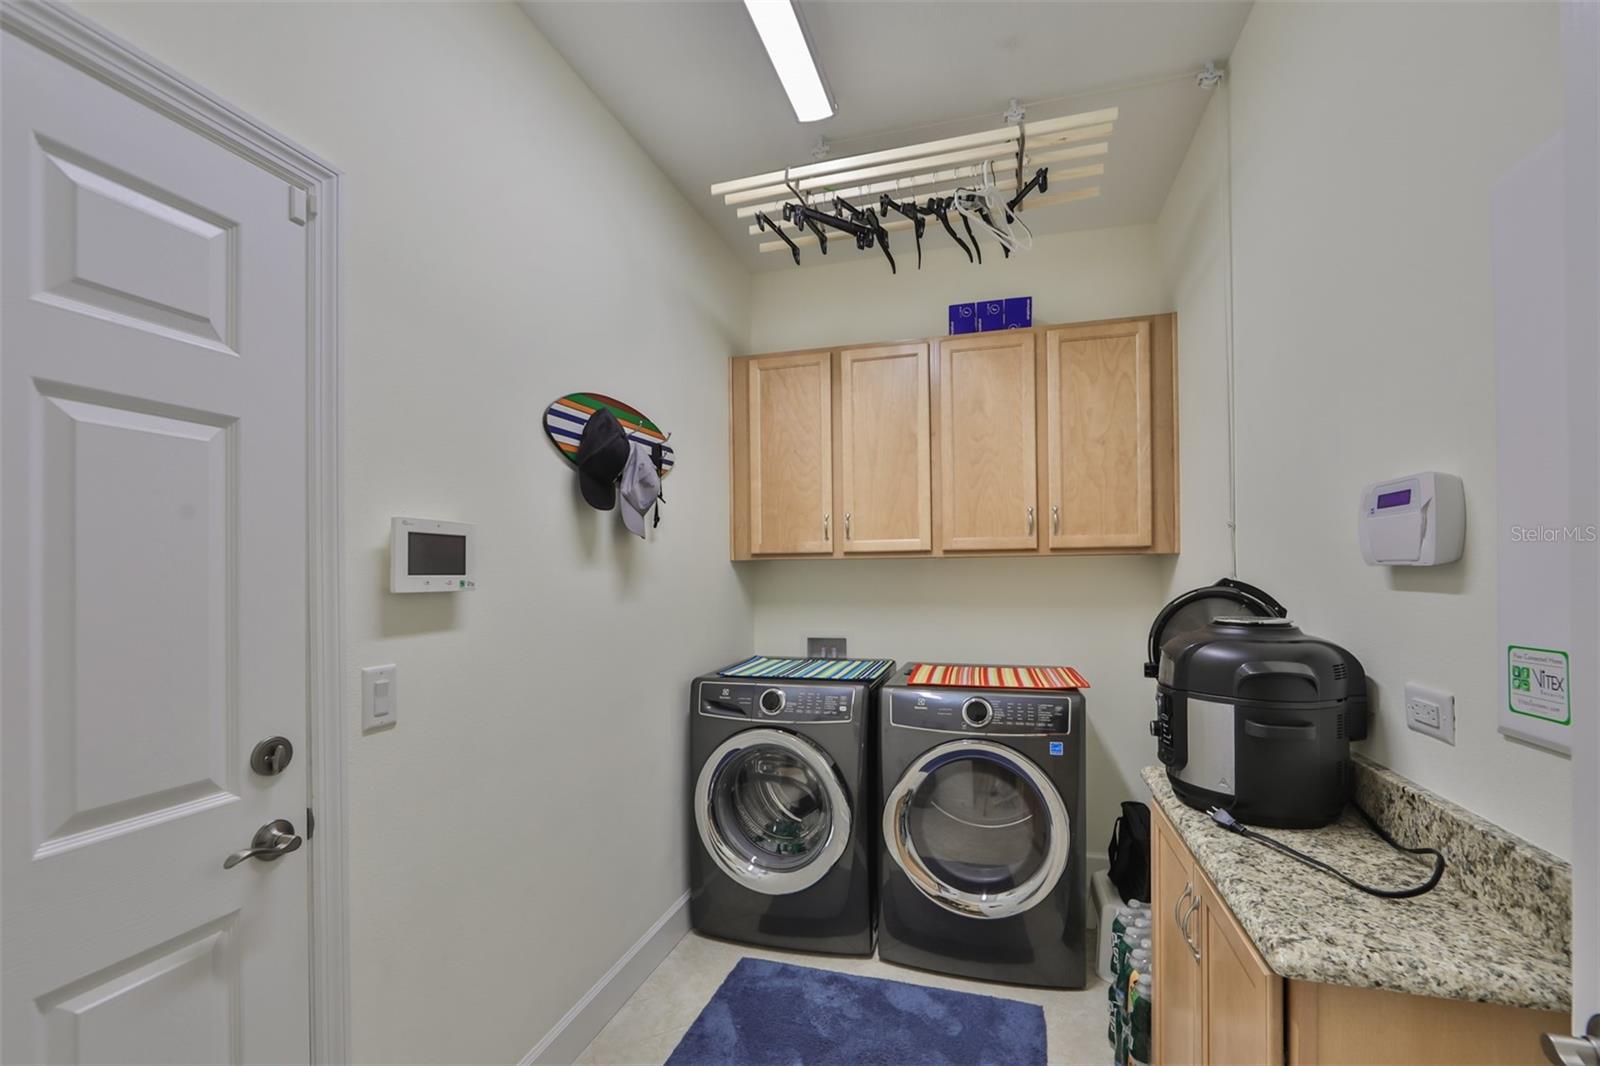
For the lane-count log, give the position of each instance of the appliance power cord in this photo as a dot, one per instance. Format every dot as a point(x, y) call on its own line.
point(1232, 824)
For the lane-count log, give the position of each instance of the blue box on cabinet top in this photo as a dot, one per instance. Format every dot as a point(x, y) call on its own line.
point(988, 316)
point(963, 318)
point(1019, 312)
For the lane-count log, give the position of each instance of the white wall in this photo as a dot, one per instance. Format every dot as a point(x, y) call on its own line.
point(1366, 138)
point(1192, 250)
point(1092, 613)
point(506, 242)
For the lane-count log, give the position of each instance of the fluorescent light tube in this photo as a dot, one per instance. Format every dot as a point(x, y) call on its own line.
point(779, 27)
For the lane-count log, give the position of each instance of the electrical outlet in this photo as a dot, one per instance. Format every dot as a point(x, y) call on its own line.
point(825, 647)
point(1431, 711)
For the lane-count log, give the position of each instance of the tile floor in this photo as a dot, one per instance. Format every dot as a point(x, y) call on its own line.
point(652, 1022)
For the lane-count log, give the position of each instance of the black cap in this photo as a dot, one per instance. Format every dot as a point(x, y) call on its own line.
point(602, 454)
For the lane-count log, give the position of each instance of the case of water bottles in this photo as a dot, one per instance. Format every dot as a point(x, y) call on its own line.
point(1130, 993)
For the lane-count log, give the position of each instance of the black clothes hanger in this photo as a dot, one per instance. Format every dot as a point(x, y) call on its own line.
point(973, 237)
point(765, 223)
point(1040, 182)
point(802, 226)
point(868, 219)
point(910, 211)
point(940, 209)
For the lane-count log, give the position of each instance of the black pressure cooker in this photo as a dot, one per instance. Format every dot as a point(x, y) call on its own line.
point(1253, 715)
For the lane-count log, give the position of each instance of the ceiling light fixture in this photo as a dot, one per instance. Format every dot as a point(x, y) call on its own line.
point(778, 23)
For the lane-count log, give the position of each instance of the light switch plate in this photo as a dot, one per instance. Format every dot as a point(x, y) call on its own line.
point(380, 703)
point(825, 647)
point(1431, 711)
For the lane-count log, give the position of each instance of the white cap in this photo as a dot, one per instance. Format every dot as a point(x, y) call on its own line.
point(640, 487)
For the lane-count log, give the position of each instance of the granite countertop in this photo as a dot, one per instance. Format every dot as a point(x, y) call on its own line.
point(1497, 929)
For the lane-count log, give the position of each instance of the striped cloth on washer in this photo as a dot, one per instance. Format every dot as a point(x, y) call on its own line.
point(1042, 677)
point(817, 669)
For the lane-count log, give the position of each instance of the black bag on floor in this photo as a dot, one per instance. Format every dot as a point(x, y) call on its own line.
point(1129, 852)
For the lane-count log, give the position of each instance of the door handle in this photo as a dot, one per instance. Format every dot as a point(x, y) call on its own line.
point(1177, 905)
point(271, 840)
point(827, 521)
point(847, 525)
point(1055, 518)
point(1030, 521)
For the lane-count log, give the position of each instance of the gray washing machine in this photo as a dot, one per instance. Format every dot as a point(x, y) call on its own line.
point(981, 867)
point(782, 836)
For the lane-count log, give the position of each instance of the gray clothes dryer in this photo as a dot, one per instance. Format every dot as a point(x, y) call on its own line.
point(981, 866)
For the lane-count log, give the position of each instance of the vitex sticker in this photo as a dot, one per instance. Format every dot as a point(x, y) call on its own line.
point(1057, 747)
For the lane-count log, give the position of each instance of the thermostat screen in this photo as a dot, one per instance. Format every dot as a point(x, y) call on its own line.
point(436, 553)
point(1397, 498)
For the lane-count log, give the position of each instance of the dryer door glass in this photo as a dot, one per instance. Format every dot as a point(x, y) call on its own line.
point(978, 828)
point(771, 810)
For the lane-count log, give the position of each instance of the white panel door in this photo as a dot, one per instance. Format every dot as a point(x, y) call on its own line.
point(153, 560)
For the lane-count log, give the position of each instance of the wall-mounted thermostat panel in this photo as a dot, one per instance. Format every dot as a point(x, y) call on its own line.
point(1417, 520)
point(426, 555)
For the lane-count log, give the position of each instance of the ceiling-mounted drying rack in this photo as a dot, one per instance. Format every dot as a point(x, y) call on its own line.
point(956, 178)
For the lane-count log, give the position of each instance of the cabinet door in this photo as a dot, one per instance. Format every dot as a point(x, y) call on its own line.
point(885, 469)
point(791, 454)
point(1243, 998)
point(1178, 989)
point(987, 442)
point(1098, 412)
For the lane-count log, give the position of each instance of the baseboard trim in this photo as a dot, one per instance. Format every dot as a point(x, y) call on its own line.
point(580, 1025)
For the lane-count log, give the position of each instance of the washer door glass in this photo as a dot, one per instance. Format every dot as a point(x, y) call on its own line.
point(978, 828)
point(771, 811)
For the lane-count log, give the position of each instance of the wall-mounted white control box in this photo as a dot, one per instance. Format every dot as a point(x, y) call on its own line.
point(426, 555)
point(1417, 520)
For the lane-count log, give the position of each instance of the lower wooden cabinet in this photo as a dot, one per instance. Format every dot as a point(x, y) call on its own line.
point(1216, 1002)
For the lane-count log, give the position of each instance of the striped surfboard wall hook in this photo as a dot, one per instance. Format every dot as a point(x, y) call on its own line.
point(565, 418)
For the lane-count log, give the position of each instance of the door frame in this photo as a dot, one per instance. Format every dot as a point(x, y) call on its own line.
point(78, 41)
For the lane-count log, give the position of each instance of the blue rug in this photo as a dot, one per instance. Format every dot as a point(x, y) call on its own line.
point(771, 1013)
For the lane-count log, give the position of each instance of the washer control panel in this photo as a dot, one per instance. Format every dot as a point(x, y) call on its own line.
point(956, 711)
point(774, 701)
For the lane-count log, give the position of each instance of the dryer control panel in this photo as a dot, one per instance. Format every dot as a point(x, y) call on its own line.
point(965, 711)
point(775, 701)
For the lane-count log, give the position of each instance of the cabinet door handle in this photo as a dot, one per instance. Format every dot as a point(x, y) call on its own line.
point(827, 522)
point(1055, 518)
point(847, 525)
point(1194, 949)
point(1030, 521)
point(1177, 905)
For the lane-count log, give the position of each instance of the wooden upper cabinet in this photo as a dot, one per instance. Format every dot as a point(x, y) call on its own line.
point(790, 454)
point(884, 468)
point(1098, 410)
point(1058, 439)
point(988, 483)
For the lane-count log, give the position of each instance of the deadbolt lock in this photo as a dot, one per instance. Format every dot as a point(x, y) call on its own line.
point(272, 756)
